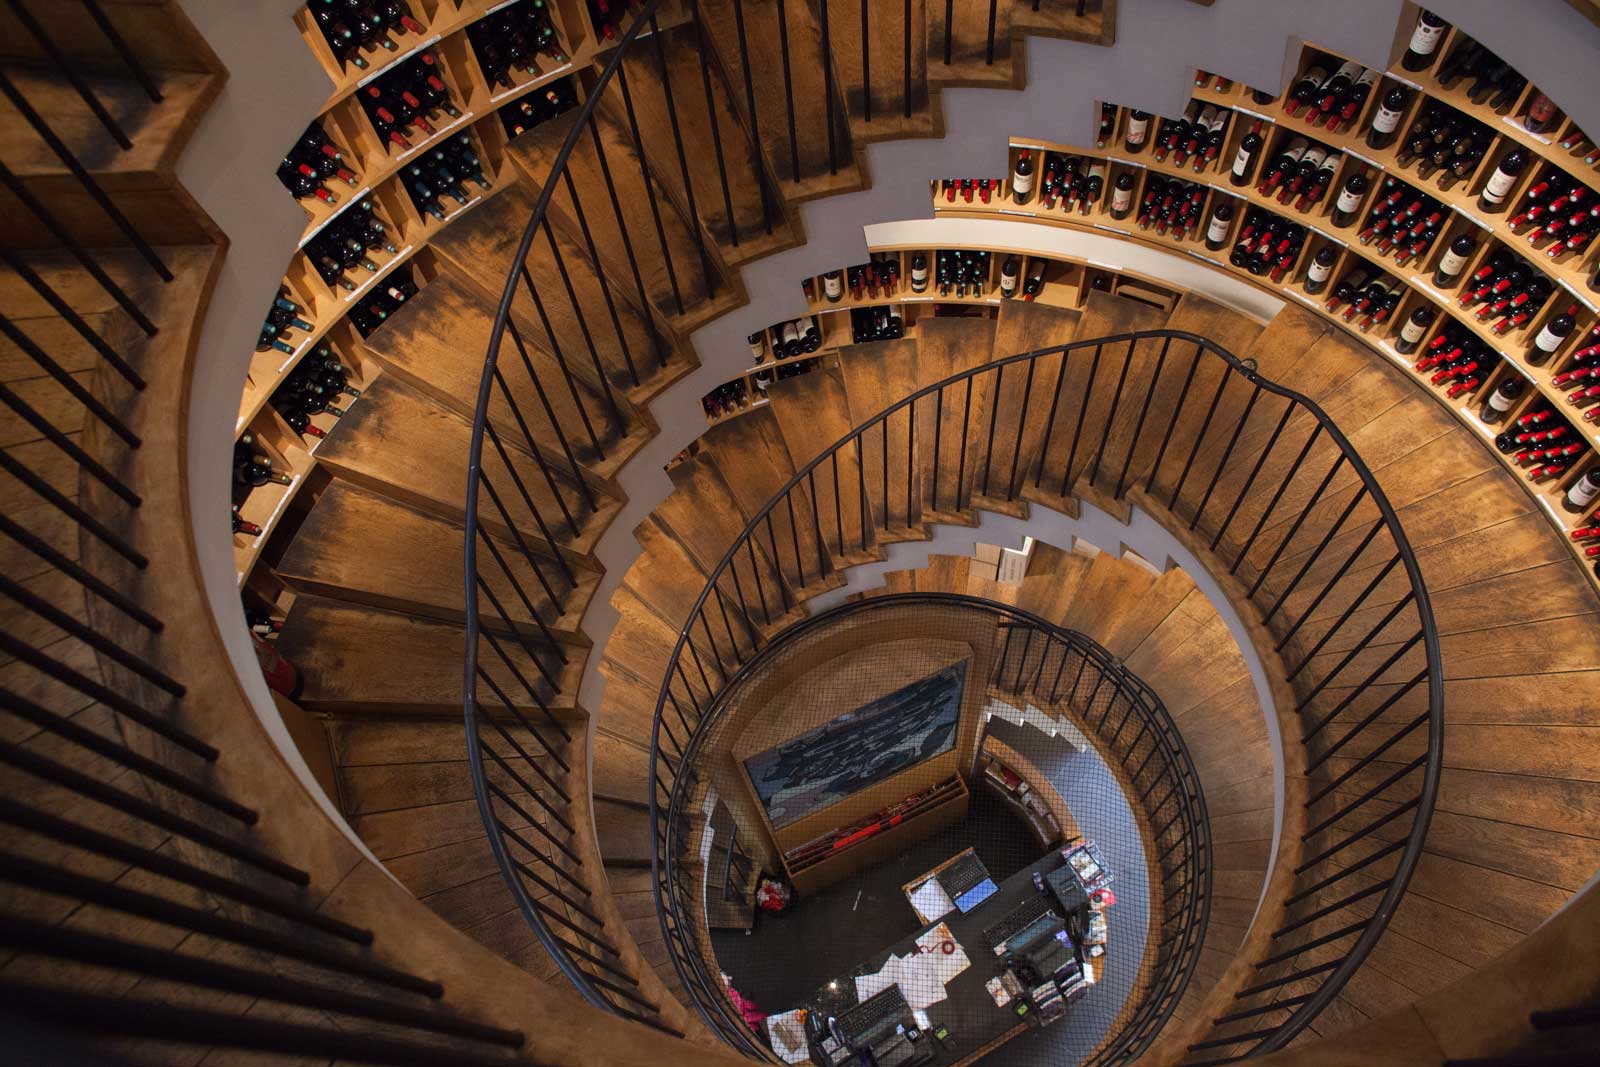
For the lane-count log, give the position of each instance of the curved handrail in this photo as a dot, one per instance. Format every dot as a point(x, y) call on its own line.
point(610, 990)
point(1187, 870)
point(1332, 975)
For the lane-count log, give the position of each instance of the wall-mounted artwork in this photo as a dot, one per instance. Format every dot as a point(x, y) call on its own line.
point(860, 748)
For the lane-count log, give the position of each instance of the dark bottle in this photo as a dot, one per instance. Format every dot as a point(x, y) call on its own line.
point(1010, 270)
point(1386, 120)
point(758, 347)
point(1320, 269)
point(1034, 282)
point(919, 273)
point(1498, 404)
point(1122, 196)
point(833, 286)
point(1022, 179)
point(1244, 161)
point(1138, 133)
point(1582, 493)
point(1348, 206)
point(1496, 192)
point(1453, 262)
point(1412, 332)
point(1549, 339)
point(1217, 228)
point(1424, 42)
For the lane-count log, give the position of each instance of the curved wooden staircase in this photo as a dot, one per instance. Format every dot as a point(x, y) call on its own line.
point(376, 622)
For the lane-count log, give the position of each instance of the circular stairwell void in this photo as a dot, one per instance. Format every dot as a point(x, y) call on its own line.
point(912, 721)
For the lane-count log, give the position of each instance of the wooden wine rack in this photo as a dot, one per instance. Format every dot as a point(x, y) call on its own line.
point(378, 167)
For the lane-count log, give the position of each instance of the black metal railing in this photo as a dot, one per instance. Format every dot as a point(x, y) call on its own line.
point(1060, 669)
point(624, 200)
point(1200, 438)
point(144, 902)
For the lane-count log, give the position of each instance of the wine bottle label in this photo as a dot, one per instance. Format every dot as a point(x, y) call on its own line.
point(1318, 272)
point(1412, 332)
point(1426, 38)
point(1008, 283)
point(1499, 185)
point(1368, 76)
point(919, 275)
point(1450, 263)
point(1582, 493)
point(1385, 120)
point(1241, 162)
point(1120, 199)
point(1021, 184)
point(1348, 201)
point(1137, 128)
point(1548, 340)
point(833, 286)
point(1217, 230)
point(757, 350)
point(1500, 402)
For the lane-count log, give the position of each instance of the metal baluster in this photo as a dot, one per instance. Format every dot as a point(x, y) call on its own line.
point(883, 456)
point(777, 578)
point(838, 509)
point(39, 547)
point(91, 637)
point(1227, 454)
point(913, 474)
point(1305, 513)
point(988, 50)
point(649, 188)
point(823, 561)
point(1316, 553)
point(1077, 429)
point(794, 539)
point(85, 179)
point(600, 275)
point(827, 84)
point(961, 460)
point(788, 91)
point(1050, 423)
point(756, 163)
point(1111, 416)
point(1288, 479)
point(761, 593)
point(1355, 691)
point(1205, 427)
point(90, 403)
point(536, 452)
point(527, 500)
point(938, 430)
point(1022, 422)
point(1172, 420)
point(1144, 410)
point(87, 463)
point(560, 358)
point(556, 424)
point(949, 28)
point(701, 47)
point(1272, 443)
point(74, 79)
point(627, 241)
point(71, 244)
point(994, 420)
point(693, 221)
point(601, 377)
point(866, 61)
point(1328, 587)
point(906, 37)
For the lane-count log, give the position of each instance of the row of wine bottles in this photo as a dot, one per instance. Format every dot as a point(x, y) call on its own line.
point(313, 165)
point(374, 309)
point(343, 251)
point(506, 41)
point(315, 385)
point(740, 394)
point(405, 102)
point(284, 317)
point(356, 29)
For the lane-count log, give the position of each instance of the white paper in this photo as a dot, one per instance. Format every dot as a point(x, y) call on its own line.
point(868, 985)
point(930, 900)
point(788, 1036)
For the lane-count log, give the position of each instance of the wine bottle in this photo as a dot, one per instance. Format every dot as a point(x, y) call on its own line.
point(1010, 270)
point(1497, 190)
point(1549, 339)
point(919, 273)
point(1453, 262)
point(1411, 333)
point(1348, 206)
point(1244, 160)
point(1320, 269)
point(833, 286)
point(758, 347)
point(1217, 228)
point(1034, 282)
point(1122, 196)
point(1424, 44)
point(1582, 493)
point(1022, 179)
point(1502, 399)
point(1138, 132)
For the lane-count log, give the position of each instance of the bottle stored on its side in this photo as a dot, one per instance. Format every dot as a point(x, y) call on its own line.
point(1245, 159)
point(1496, 192)
point(1547, 340)
point(1581, 494)
point(1348, 206)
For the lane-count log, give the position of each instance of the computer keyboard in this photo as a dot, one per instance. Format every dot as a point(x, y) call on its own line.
point(874, 1018)
point(1015, 921)
point(962, 875)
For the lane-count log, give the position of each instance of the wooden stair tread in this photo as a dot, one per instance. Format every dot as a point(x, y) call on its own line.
point(378, 443)
point(714, 140)
point(359, 659)
point(599, 311)
point(803, 169)
point(682, 278)
point(893, 35)
point(971, 62)
point(436, 344)
point(875, 376)
point(355, 545)
point(812, 413)
point(946, 347)
point(1033, 398)
point(623, 831)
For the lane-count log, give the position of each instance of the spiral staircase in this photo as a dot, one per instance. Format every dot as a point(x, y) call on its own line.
point(151, 817)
